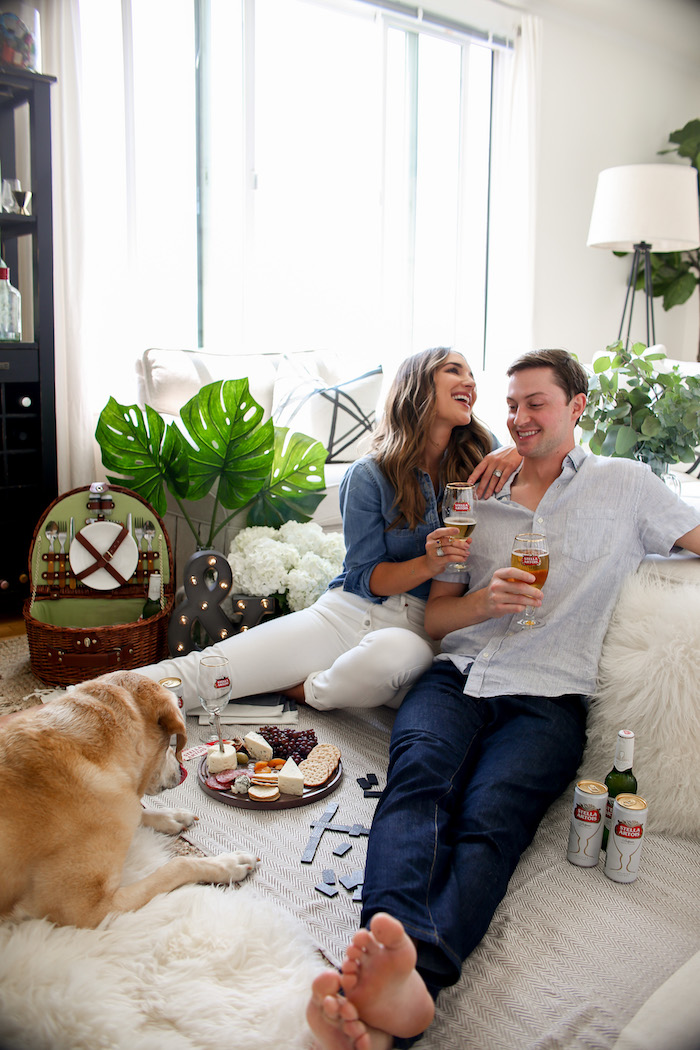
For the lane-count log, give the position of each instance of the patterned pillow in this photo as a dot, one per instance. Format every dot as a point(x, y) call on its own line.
point(338, 415)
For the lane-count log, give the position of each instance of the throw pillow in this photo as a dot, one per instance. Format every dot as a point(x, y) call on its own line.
point(339, 415)
point(649, 682)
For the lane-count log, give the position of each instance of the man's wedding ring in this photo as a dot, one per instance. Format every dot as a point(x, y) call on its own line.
point(498, 473)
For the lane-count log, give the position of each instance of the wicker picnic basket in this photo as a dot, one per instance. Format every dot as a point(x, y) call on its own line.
point(82, 617)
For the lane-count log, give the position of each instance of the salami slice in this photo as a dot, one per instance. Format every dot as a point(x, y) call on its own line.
point(213, 783)
point(227, 775)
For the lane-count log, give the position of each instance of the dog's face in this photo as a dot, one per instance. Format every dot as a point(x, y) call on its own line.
point(151, 717)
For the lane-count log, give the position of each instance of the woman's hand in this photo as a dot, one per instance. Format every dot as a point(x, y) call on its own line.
point(494, 470)
point(442, 547)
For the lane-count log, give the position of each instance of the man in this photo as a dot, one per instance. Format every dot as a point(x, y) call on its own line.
point(493, 733)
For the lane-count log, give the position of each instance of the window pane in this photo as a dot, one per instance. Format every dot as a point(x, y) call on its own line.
point(316, 262)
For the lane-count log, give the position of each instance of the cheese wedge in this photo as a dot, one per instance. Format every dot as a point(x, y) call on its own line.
point(257, 748)
point(216, 761)
point(291, 780)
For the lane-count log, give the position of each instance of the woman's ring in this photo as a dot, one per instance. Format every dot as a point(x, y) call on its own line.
point(498, 473)
point(440, 551)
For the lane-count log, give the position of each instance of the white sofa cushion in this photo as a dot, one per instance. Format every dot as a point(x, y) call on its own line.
point(340, 414)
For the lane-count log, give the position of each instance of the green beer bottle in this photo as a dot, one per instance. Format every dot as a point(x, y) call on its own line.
point(620, 778)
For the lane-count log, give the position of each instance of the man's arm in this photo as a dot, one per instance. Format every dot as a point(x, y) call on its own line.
point(691, 540)
point(448, 608)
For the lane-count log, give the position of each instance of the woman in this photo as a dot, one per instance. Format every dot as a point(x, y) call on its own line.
point(363, 642)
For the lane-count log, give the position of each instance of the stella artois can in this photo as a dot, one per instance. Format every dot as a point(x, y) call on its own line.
point(175, 686)
point(626, 838)
point(587, 821)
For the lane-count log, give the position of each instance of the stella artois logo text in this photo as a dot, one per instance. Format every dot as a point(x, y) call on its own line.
point(531, 559)
point(629, 831)
point(588, 813)
point(462, 505)
point(222, 683)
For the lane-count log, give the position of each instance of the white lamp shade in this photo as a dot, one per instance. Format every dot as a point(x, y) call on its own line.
point(655, 203)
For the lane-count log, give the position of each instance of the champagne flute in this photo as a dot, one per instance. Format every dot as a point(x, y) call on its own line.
point(459, 511)
point(214, 688)
point(531, 553)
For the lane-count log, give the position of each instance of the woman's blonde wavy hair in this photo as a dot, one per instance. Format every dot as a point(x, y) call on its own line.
point(400, 440)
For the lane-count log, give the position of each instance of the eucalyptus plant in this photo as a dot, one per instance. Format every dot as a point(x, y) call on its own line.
point(637, 410)
point(221, 445)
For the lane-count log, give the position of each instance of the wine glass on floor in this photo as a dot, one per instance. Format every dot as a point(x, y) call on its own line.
point(531, 553)
point(214, 688)
point(459, 511)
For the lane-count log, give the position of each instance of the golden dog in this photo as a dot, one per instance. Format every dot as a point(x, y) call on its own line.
point(72, 773)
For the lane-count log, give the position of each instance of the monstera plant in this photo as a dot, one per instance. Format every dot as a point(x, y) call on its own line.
point(221, 446)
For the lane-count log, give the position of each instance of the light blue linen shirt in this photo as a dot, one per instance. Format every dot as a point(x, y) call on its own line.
point(367, 507)
point(601, 517)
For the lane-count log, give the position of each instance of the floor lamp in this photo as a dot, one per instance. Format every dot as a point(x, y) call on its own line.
point(645, 208)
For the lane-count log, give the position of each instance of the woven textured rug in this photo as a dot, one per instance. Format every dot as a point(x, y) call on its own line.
point(547, 976)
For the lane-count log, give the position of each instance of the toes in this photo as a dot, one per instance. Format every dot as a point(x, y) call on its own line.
point(387, 930)
point(325, 983)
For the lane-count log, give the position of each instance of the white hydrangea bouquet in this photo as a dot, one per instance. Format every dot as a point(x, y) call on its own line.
point(294, 563)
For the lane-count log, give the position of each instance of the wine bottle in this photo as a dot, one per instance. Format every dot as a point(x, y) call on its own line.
point(10, 307)
point(620, 778)
point(152, 603)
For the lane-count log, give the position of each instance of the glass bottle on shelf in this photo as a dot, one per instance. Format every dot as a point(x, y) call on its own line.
point(10, 306)
point(620, 778)
point(152, 603)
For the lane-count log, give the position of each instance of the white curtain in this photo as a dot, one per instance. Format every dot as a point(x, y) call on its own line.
point(124, 203)
point(512, 222)
point(74, 418)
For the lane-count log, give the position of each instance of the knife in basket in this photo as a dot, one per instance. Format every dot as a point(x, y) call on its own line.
point(71, 537)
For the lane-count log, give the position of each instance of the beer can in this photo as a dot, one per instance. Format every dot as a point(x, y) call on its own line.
point(626, 838)
point(175, 686)
point(587, 817)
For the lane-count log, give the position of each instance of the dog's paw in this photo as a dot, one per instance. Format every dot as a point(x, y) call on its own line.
point(169, 821)
point(236, 866)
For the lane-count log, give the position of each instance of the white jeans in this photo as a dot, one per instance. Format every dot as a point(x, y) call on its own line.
point(347, 651)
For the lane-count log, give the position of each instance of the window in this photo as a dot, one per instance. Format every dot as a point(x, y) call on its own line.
point(344, 179)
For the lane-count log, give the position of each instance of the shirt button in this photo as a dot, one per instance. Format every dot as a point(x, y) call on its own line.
point(540, 520)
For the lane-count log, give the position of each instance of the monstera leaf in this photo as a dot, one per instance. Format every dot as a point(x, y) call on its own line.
point(225, 448)
point(295, 484)
point(231, 445)
point(146, 453)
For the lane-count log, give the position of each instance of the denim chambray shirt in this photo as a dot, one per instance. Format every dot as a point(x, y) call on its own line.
point(367, 508)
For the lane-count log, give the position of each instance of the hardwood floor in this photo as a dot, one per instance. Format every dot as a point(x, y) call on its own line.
point(12, 627)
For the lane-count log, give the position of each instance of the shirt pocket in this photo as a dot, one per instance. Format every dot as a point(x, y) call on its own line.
point(589, 534)
point(404, 544)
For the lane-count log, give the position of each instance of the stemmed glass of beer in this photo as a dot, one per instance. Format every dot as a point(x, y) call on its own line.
point(531, 553)
point(459, 511)
point(214, 688)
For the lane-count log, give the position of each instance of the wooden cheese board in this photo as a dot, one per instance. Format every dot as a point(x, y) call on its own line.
point(311, 794)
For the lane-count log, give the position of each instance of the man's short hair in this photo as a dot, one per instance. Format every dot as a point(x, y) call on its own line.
point(568, 373)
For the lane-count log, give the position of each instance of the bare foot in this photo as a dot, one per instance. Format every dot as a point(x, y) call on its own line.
point(380, 979)
point(335, 1021)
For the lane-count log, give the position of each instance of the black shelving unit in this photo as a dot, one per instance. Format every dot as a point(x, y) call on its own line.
point(28, 467)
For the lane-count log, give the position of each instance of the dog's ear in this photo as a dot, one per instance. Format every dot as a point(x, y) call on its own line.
point(172, 721)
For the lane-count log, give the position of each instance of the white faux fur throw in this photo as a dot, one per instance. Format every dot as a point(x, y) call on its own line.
point(649, 681)
point(200, 967)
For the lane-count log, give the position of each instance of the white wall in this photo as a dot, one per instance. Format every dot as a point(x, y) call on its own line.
point(617, 77)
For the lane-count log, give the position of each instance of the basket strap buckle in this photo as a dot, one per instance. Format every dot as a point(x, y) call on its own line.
point(102, 561)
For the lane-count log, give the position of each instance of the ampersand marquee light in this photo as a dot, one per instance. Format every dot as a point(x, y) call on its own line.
point(207, 581)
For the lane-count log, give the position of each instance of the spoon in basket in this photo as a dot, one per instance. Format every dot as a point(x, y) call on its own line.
point(51, 534)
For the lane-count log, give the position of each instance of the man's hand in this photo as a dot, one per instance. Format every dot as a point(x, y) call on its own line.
point(509, 592)
point(449, 609)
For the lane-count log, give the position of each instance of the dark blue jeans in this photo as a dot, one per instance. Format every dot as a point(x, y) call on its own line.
point(469, 781)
